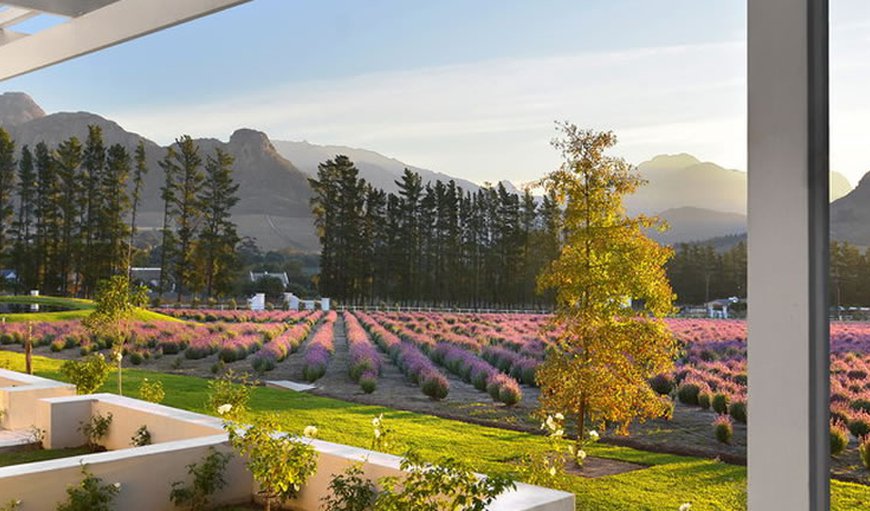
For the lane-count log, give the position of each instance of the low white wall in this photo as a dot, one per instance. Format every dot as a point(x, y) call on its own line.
point(180, 438)
point(18, 394)
point(146, 475)
point(335, 458)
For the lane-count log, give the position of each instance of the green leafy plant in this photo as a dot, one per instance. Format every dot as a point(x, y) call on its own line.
point(12, 505)
point(719, 403)
point(864, 451)
point(723, 429)
point(839, 437)
point(116, 301)
point(142, 437)
point(228, 395)
point(90, 494)
point(37, 437)
point(430, 487)
point(208, 478)
point(89, 374)
point(280, 463)
point(152, 391)
point(95, 429)
point(350, 491)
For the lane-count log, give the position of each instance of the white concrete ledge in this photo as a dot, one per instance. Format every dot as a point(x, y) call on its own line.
point(179, 438)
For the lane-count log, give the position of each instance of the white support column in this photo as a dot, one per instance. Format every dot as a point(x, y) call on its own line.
point(788, 255)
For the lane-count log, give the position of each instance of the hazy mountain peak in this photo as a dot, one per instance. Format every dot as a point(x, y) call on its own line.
point(18, 108)
point(249, 136)
point(670, 162)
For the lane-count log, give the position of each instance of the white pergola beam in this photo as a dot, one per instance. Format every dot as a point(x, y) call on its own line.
point(70, 8)
point(115, 23)
point(7, 36)
point(13, 15)
point(788, 446)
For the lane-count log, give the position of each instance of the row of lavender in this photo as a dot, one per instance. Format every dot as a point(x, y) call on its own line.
point(230, 341)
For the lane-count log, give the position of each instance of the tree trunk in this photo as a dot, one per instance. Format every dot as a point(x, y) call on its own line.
point(581, 424)
point(28, 349)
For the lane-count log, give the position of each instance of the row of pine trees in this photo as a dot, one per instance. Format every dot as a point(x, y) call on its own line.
point(700, 273)
point(68, 214)
point(431, 243)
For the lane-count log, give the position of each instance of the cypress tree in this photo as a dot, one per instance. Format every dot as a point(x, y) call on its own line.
point(219, 237)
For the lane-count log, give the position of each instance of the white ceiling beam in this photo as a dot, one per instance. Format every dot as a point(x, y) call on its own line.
point(113, 24)
point(7, 36)
point(70, 8)
point(13, 15)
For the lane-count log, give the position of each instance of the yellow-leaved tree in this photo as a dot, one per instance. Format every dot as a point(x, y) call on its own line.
point(611, 292)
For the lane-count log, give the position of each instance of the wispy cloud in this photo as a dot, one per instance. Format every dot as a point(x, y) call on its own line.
point(492, 120)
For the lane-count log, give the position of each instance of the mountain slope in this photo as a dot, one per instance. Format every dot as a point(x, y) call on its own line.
point(689, 224)
point(17, 108)
point(681, 180)
point(379, 170)
point(850, 215)
point(274, 194)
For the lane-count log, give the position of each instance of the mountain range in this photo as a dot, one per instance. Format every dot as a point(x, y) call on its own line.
point(699, 200)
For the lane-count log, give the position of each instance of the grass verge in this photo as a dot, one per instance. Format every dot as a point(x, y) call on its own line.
point(79, 309)
point(668, 482)
point(32, 456)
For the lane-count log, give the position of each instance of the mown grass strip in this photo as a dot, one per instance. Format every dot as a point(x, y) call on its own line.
point(668, 482)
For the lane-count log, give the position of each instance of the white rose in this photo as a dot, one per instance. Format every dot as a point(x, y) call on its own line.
point(224, 409)
point(309, 431)
point(117, 486)
point(581, 455)
point(686, 507)
point(593, 435)
point(560, 417)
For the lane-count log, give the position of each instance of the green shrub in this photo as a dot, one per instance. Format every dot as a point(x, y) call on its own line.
point(723, 429)
point(349, 491)
point(136, 358)
point(95, 429)
point(142, 437)
point(368, 383)
point(229, 393)
point(90, 494)
point(862, 405)
point(662, 384)
point(864, 451)
point(12, 505)
point(208, 478)
point(87, 375)
point(152, 391)
point(280, 464)
point(737, 411)
point(859, 426)
point(720, 403)
point(704, 399)
point(447, 485)
point(435, 387)
point(839, 438)
point(687, 393)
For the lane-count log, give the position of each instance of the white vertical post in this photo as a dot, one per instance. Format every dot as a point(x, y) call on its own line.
point(788, 255)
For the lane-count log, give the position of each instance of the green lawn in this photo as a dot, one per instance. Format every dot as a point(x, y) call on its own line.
point(78, 309)
point(31, 456)
point(668, 482)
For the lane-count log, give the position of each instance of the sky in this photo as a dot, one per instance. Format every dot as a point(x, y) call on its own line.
point(471, 88)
